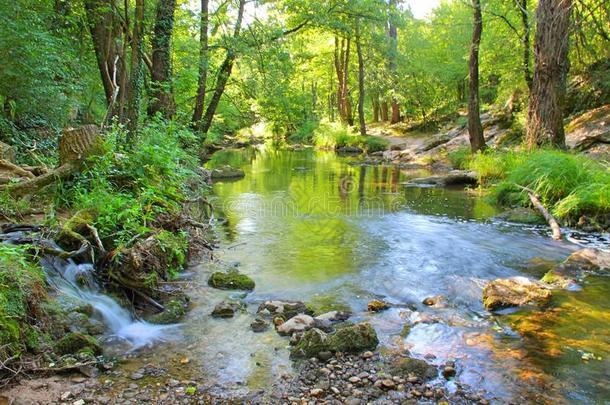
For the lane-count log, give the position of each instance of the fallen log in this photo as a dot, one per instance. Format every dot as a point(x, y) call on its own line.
point(535, 199)
point(12, 169)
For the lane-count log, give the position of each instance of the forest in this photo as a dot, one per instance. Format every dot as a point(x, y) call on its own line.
point(304, 201)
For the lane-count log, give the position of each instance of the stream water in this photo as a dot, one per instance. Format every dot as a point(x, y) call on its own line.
point(315, 227)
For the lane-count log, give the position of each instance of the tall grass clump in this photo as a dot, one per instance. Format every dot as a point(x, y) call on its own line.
point(570, 185)
point(330, 135)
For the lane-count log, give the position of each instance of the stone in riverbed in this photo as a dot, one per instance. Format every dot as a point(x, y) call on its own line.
point(514, 292)
point(298, 323)
point(226, 172)
point(347, 339)
point(453, 178)
point(226, 309)
point(377, 306)
point(522, 216)
point(313, 342)
point(407, 366)
point(231, 281)
point(438, 301)
point(259, 325)
point(577, 266)
point(286, 309)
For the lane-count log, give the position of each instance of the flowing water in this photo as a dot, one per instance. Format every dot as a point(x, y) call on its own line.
point(312, 226)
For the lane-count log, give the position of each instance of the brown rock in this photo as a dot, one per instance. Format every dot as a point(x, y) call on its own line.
point(512, 292)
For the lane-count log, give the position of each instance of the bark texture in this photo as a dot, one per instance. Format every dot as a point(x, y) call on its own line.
point(136, 71)
point(162, 91)
point(361, 93)
point(475, 129)
point(545, 116)
point(393, 38)
point(203, 64)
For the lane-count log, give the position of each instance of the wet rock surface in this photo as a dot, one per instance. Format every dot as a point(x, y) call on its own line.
point(514, 292)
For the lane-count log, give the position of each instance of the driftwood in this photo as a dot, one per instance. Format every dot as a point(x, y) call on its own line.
point(535, 199)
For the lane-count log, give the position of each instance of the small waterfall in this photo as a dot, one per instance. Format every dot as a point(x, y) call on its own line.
point(77, 282)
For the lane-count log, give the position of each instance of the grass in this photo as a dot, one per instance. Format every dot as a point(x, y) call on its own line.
point(570, 185)
point(330, 135)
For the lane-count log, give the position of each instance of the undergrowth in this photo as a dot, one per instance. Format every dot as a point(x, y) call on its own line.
point(570, 185)
point(333, 136)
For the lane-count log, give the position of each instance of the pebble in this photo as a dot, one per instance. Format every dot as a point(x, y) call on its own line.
point(367, 355)
point(316, 392)
point(136, 376)
point(79, 402)
point(66, 396)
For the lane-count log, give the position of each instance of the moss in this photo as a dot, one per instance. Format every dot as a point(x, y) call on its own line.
point(556, 279)
point(405, 331)
point(173, 313)
point(522, 216)
point(75, 342)
point(405, 366)
point(353, 339)
point(311, 344)
point(231, 281)
point(73, 232)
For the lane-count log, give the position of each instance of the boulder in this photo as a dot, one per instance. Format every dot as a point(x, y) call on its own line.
point(231, 281)
point(348, 339)
point(75, 342)
point(296, 324)
point(377, 306)
point(313, 342)
point(589, 129)
point(407, 366)
point(226, 309)
point(350, 150)
point(7, 152)
point(174, 311)
point(453, 178)
point(226, 172)
point(577, 266)
point(512, 292)
point(285, 309)
point(522, 216)
point(333, 316)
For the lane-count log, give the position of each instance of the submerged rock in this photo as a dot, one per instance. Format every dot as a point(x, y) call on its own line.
point(312, 343)
point(453, 178)
point(377, 306)
point(226, 309)
point(298, 323)
point(350, 150)
point(522, 216)
point(512, 292)
point(226, 172)
point(75, 342)
point(259, 325)
point(285, 309)
point(326, 321)
point(438, 301)
point(231, 281)
point(174, 311)
point(408, 366)
point(577, 266)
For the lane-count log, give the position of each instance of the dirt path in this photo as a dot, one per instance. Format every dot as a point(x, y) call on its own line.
point(412, 141)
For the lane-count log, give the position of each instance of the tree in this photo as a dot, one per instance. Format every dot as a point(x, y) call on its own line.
point(224, 72)
point(545, 116)
point(393, 38)
point(162, 92)
point(203, 65)
point(341, 58)
point(475, 129)
point(527, 74)
point(361, 94)
point(136, 71)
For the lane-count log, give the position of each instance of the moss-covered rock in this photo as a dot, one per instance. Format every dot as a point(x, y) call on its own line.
point(405, 366)
point(174, 311)
point(353, 339)
point(377, 306)
point(76, 342)
point(231, 281)
point(522, 216)
point(226, 172)
point(76, 230)
point(313, 342)
point(226, 309)
point(283, 309)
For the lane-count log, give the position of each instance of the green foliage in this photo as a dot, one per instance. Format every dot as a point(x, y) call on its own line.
point(22, 293)
point(570, 185)
point(460, 158)
point(332, 135)
point(130, 188)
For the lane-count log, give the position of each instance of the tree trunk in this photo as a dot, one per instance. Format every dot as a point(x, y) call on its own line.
point(105, 30)
point(475, 129)
point(203, 64)
point(223, 74)
point(384, 111)
point(545, 117)
point(527, 74)
point(375, 104)
point(162, 91)
point(393, 37)
point(342, 53)
point(136, 71)
point(360, 82)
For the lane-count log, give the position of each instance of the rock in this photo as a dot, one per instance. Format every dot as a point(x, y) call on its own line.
point(259, 325)
point(353, 339)
point(226, 172)
point(325, 355)
point(377, 306)
point(511, 292)
point(367, 355)
point(174, 311)
point(226, 309)
point(453, 178)
point(437, 140)
point(522, 216)
point(438, 301)
point(334, 316)
point(448, 372)
point(350, 150)
point(577, 266)
point(313, 342)
point(75, 342)
point(589, 129)
point(286, 309)
point(7, 152)
point(66, 396)
point(298, 323)
point(316, 392)
point(79, 402)
point(410, 367)
point(136, 375)
point(231, 281)
point(388, 384)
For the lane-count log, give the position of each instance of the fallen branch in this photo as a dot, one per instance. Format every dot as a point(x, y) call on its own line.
point(535, 199)
point(5, 165)
point(63, 254)
point(96, 238)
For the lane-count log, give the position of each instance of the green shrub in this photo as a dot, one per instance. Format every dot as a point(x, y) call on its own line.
point(330, 135)
point(22, 294)
point(460, 158)
point(374, 144)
